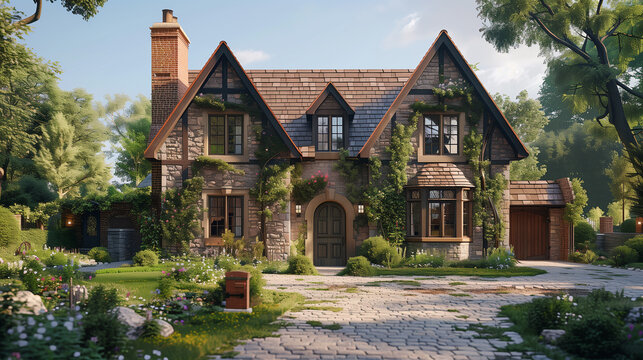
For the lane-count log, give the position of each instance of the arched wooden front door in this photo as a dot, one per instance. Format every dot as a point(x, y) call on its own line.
point(330, 235)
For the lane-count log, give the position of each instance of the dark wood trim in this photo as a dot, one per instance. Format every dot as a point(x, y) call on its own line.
point(220, 91)
point(331, 90)
point(329, 114)
point(184, 146)
point(441, 132)
point(224, 80)
point(441, 64)
point(421, 92)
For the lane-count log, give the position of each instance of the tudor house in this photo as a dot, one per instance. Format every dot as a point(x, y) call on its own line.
point(315, 114)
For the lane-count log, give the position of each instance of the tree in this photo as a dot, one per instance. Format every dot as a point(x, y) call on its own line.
point(615, 211)
point(528, 120)
point(581, 32)
point(85, 8)
point(574, 209)
point(621, 181)
point(129, 123)
point(595, 214)
point(64, 162)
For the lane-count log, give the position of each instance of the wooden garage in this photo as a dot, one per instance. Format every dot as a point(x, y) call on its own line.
point(538, 230)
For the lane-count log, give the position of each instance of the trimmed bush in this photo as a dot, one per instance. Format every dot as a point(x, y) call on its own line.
point(9, 228)
point(145, 258)
point(636, 243)
point(586, 257)
point(379, 251)
point(36, 237)
point(584, 235)
point(257, 281)
point(628, 226)
point(595, 335)
point(301, 265)
point(58, 236)
point(358, 266)
point(99, 254)
point(56, 259)
point(545, 313)
point(424, 260)
point(623, 255)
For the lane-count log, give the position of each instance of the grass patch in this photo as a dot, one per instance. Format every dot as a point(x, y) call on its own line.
point(138, 284)
point(318, 289)
point(320, 301)
point(219, 332)
point(281, 287)
point(447, 271)
point(300, 279)
point(456, 283)
point(453, 310)
point(489, 332)
point(399, 282)
point(134, 269)
point(462, 316)
point(315, 323)
point(319, 308)
point(316, 282)
point(423, 278)
point(638, 265)
point(459, 295)
point(229, 354)
point(352, 290)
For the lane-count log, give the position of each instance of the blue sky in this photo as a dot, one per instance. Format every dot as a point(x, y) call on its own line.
point(110, 53)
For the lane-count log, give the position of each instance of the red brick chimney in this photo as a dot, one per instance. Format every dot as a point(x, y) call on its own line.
point(169, 68)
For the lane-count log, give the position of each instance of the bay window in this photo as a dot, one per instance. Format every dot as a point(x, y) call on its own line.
point(438, 213)
point(225, 212)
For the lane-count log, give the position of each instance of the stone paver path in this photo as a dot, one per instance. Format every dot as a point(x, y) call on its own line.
point(396, 321)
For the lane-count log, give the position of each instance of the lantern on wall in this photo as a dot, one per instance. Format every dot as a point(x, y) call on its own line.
point(360, 208)
point(298, 209)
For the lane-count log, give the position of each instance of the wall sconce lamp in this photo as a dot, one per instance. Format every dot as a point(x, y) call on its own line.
point(298, 209)
point(69, 222)
point(360, 209)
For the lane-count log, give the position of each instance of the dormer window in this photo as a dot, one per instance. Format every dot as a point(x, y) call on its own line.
point(441, 134)
point(330, 133)
point(330, 114)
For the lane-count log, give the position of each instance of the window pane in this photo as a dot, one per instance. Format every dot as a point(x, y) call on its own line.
point(322, 133)
point(235, 134)
point(431, 135)
point(415, 212)
point(216, 209)
point(435, 194)
point(449, 218)
point(450, 140)
point(235, 215)
point(465, 218)
point(337, 133)
point(217, 135)
point(448, 194)
point(435, 219)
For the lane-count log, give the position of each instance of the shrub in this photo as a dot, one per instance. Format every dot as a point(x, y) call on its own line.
point(9, 228)
point(150, 329)
point(595, 335)
point(358, 266)
point(301, 265)
point(58, 236)
point(584, 235)
point(500, 258)
point(106, 331)
point(36, 237)
point(6, 272)
point(548, 313)
point(379, 251)
point(226, 262)
point(636, 243)
point(468, 263)
point(99, 254)
point(257, 281)
point(145, 258)
point(422, 259)
point(628, 226)
point(166, 285)
point(623, 255)
point(56, 259)
point(586, 257)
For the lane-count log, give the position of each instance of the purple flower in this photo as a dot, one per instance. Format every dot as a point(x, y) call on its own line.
point(629, 336)
point(185, 307)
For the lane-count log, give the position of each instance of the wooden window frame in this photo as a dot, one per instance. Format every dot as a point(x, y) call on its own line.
point(226, 222)
point(245, 132)
point(425, 223)
point(226, 134)
point(459, 157)
point(330, 115)
point(441, 132)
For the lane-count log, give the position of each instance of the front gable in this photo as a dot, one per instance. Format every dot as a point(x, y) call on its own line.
point(444, 61)
point(223, 77)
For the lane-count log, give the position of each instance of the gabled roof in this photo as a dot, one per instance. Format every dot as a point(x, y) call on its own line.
point(222, 51)
point(440, 175)
point(537, 192)
point(443, 40)
point(330, 90)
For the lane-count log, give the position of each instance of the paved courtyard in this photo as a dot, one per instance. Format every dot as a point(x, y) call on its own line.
point(394, 320)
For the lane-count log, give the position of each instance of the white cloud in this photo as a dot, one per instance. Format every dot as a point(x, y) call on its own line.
point(407, 31)
point(251, 56)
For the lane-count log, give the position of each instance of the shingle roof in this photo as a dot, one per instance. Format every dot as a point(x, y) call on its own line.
point(440, 175)
point(538, 192)
point(289, 93)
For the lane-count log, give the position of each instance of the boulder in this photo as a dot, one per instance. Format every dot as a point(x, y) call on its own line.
point(634, 315)
point(166, 328)
point(79, 293)
point(31, 304)
point(552, 335)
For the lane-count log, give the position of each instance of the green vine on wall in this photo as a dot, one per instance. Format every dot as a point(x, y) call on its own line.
point(304, 190)
point(208, 162)
point(349, 169)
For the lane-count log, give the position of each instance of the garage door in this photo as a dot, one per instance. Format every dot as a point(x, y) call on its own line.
point(529, 233)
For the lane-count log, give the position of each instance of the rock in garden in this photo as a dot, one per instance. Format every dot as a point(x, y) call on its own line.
point(166, 328)
point(634, 315)
point(552, 335)
point(31, 304)
point(79, 292)
point(129, 317)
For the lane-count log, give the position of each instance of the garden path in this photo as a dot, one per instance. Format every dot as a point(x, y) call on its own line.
point(397, 320)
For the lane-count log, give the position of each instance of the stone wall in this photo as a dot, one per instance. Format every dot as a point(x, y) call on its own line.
point(450, 250)
point(607, 242)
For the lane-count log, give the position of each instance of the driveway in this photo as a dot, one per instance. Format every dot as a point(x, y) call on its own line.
point(397, 320)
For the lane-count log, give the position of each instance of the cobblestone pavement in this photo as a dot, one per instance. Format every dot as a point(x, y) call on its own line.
point(398, 321)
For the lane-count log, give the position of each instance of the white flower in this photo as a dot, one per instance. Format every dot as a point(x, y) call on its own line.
point(77, 354)
point(20, 329)
point(22, 343)
point(156, 352)
point(23, 336)
point(69, 325)
point(41, 330)
point(38, 336)
point(31, 321)
point(10, 331)
point(79, 316)
point(121, 357)
point(54, 323)
point(53, 347)
point(146, 357)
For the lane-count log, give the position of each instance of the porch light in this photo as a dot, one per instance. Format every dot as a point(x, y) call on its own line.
point(68, 221)
point(298, 209)
point(360, 209)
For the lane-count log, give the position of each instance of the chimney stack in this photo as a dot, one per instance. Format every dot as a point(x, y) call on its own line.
point(169, 68)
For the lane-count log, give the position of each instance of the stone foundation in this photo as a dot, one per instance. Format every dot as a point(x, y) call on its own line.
point(450, 250)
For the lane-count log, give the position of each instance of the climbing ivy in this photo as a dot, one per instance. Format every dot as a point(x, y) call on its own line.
point(349, 169)
point(205, 161)
point(304, 190)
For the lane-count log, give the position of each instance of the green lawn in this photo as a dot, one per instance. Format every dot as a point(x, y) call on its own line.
point(446, 271)
point(138, 284)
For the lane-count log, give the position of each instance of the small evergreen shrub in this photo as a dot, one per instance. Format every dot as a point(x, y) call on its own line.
point(423, 259)
point(9, 228)
point(628, 226)
point(56, 259)
point(548, 313)
point(595, 335)
point(226, 262)
point(301, 265)
point(166, 286)
point(468, 263)
point(583, 257)
point(150, 329)
point(257, 281)
point(623, 255)
point(100, 254)
point(379, 251)
point(500, 258)
point(358, 266)
point(36, 237)
point(636, 243)
point(584, 235)
point(145, 258)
